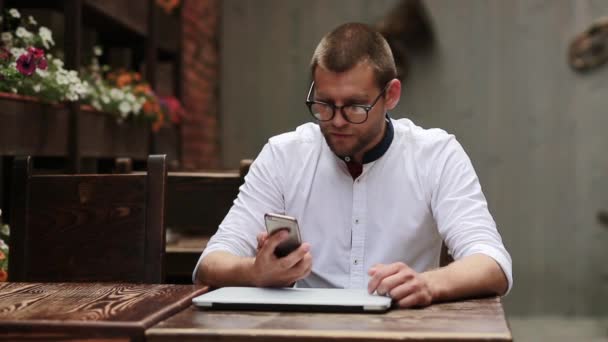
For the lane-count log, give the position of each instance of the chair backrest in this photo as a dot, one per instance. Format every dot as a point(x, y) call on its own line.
point(197, 202)
point(103, 228)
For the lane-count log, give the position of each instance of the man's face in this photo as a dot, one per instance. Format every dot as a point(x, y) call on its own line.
point(355, 86)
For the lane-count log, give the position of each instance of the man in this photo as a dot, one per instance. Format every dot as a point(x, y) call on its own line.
point(374, 197)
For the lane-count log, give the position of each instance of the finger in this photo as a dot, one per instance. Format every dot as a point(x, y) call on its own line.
point(296, 256)
point(303, 268)
point(389, 283)
point(273, 241)
point(372, 270)
point(381, 273)
point(261, 237)
point(417, 299)
point(403, 290)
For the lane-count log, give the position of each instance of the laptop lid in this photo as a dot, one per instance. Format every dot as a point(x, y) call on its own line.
point(293, 299)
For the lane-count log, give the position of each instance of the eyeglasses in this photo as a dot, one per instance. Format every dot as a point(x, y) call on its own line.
point(353, 113)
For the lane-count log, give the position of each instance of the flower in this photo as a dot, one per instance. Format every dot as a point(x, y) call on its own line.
point(46, 36)
point(14, 13)
point(31, 20)
point(2, 256)
point(3, 275)
point(7, 38)
point(5, 54)
point(23, 33)
point(26, 64)
point(97, 51)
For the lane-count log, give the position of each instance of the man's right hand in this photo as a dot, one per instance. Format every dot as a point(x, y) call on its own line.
point(270, 271)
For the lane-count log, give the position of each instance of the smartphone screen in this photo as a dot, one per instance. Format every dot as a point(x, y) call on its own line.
point(276, 223)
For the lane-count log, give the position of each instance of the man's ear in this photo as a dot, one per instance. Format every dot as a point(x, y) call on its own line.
point(393, 94)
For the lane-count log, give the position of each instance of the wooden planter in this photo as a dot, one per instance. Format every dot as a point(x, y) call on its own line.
point(30, 127)
point(102, 136)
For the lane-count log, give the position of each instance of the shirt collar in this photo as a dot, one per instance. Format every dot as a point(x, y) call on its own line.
point(378, 151)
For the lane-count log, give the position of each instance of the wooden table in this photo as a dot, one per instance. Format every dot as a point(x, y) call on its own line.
point(472, 320)
point(93, 311)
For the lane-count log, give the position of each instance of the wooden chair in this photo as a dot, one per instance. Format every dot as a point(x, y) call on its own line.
point(77, 228)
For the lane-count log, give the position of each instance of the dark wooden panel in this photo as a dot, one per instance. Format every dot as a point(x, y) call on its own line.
point(198, 202)
point(88, 227)
point(471, 320)
point(31, 127)
point(61, 311)
point(101, 135)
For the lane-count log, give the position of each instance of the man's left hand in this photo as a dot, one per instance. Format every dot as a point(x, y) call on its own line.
point(404, 285)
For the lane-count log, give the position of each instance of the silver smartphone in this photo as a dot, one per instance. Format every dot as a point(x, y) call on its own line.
point(275, 223)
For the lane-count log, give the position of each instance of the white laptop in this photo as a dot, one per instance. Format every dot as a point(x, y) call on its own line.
point(293, 299)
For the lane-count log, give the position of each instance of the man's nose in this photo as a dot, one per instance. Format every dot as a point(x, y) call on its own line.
point(338, 120)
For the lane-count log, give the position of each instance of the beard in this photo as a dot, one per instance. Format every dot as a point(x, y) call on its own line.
point(352, 145)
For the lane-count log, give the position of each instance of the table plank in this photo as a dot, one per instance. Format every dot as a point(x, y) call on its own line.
point(55, 311)
point(471, 320)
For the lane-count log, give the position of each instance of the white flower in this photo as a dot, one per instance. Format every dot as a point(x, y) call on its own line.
point(37, 87)
point(2, 244)
point(61, 79)
point(42, 73)
point(5, 230)
point(58, 63)
point(96, 104)
point(130, 97)
point(14, 13)
point(22, 32)
point(124, 108)
point(97, 51)
point(47, 36)
point(116, 94)
point(136, 107)
point(32, 20)
point(17, 52)
point(7, 37)
point(105, 99)
point(14, 90)
point(80, 89)
point(72, 96)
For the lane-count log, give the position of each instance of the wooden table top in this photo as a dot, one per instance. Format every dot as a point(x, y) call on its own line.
point(58, 311)
point(471, 320)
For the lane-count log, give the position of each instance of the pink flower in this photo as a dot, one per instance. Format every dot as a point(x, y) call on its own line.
point(26, 64)
point(37, 53)
point(42, 64)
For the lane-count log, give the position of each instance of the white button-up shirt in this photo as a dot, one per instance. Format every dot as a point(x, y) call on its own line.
point(422, 191)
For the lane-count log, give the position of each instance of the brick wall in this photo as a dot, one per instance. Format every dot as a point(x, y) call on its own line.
point(200, 132)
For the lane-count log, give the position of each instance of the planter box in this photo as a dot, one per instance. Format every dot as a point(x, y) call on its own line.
point(102, 136)
point(29, 127)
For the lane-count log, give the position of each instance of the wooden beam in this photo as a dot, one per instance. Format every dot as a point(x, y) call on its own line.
point(73, 48)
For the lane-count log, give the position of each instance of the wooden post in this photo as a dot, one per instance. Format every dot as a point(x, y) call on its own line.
point(72, 47)
point(151, 56)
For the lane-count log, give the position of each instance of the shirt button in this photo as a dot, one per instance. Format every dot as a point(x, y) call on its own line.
point(356, 262)
point(356, 220)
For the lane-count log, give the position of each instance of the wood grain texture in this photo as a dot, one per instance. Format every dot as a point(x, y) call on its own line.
point(472, 320)
point(88, 227)
point(63, 311)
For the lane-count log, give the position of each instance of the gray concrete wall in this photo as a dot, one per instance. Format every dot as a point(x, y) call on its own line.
point(499, 80)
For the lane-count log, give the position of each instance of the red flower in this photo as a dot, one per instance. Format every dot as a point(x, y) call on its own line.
point(5, 54)
point(42, 64)
point(37, 53)
point(26, 64)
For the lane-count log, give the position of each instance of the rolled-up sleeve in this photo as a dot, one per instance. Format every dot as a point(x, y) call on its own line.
point(460, 208)
point(261, 193)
